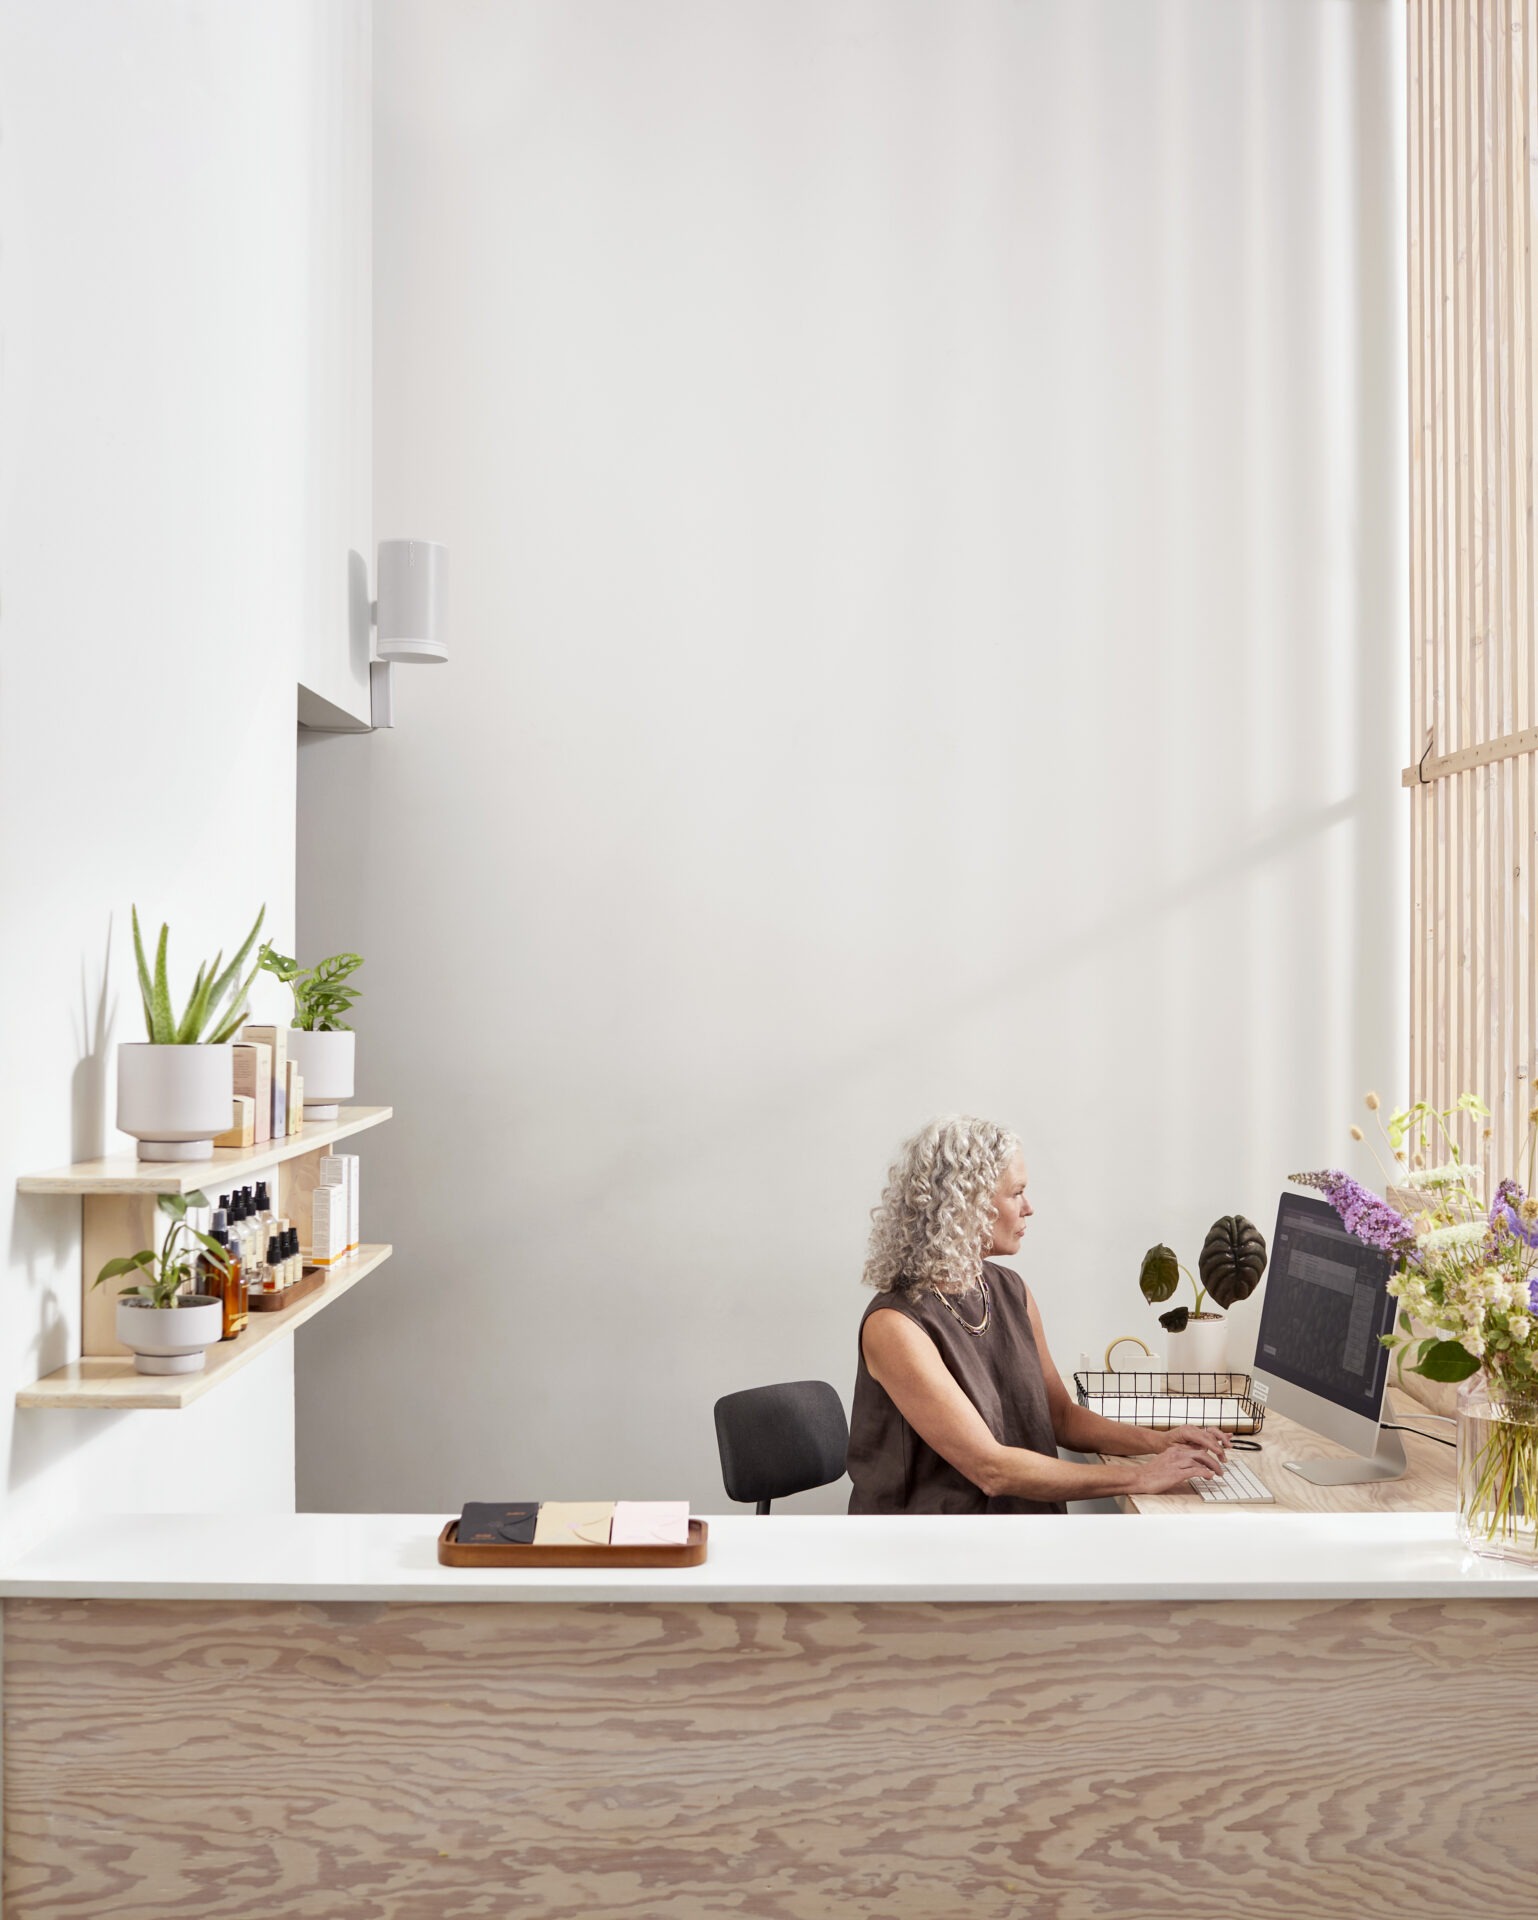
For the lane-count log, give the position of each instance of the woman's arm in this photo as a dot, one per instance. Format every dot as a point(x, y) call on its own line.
point(904, 1360)
point(1085, 1432)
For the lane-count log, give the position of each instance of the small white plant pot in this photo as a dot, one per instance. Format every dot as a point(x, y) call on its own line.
point(1202, 1347)
point(325, 1060)
point(171, 1339)
point(173, 1100)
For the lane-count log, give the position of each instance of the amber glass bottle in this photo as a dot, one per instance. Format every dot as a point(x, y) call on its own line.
point(223, 1280)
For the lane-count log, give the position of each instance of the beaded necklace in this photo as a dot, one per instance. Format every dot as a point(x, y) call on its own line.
point(982, 1325)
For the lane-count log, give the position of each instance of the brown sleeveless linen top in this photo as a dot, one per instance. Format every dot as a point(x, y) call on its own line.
point(999, 1371)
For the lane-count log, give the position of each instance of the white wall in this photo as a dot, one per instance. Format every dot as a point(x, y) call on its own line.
point(925, 492)
point(162, 168)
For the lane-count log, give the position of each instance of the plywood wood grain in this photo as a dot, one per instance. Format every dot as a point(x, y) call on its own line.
point(905, 1762)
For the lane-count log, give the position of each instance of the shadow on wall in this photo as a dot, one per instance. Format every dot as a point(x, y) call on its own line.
point(88, 1084)
point(45, 1236)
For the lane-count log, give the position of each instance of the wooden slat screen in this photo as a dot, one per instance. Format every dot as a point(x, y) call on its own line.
point(1473, 84)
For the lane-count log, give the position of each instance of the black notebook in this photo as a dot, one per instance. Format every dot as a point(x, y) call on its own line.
point(484, 1522)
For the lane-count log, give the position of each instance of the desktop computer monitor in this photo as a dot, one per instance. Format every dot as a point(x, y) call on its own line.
point(1319, 1354)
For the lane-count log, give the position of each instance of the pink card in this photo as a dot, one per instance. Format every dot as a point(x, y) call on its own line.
point(650, 1523)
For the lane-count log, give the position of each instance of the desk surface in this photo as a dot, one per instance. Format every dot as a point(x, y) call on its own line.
point(1428, 1485)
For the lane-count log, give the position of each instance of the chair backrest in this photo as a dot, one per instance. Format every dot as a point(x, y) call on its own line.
point(780, 1440)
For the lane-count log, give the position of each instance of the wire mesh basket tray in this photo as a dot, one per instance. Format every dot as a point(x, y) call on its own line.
point(1161, 1400)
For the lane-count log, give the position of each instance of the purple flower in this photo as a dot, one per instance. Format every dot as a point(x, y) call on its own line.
point(1362, 1213)
point(1505, 1212)
point(1532, 1297)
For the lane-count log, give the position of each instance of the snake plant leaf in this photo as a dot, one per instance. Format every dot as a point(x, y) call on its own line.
point(196, 1015)
point(1175, 1320)
point(144, 978)
point(1447, 1360)
point(162, 1022)
point(221, 994)
point(1159, 1275)
point(223, 1032)
point(1232, 1259)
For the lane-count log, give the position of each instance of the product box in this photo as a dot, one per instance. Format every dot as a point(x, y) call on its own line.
point(253, 1078)
point(328, 1229)
point(342, 1168)
point(275, 1038)
point(295, 1097)
point(241, 1131)
point(354, 1172)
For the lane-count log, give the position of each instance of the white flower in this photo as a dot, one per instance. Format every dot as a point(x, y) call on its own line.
point(1451, 1175)
point(1519, 1326)
point(1465, 1233)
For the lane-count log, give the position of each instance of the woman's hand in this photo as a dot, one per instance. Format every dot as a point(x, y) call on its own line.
point(1211, 1440)
point(1169, 1471)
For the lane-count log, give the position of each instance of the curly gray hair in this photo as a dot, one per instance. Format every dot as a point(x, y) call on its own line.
point(932, 1226)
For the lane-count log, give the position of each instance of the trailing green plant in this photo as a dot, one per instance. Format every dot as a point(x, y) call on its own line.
point(321, 993)
point(167, 1271)
point(1233, 1258)
point(217, 1006)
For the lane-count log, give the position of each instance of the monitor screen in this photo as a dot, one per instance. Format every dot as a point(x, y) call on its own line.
point(1326, 1304)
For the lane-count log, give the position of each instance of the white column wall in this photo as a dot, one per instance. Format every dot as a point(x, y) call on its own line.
point(175, 180)
point(925, 488)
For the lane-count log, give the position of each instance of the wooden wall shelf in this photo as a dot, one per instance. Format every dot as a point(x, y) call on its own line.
point(230, 1166)
point(107, 1381)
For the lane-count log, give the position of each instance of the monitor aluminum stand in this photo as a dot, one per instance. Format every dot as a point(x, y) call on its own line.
point(1387, 1461)
point(1378, 1451)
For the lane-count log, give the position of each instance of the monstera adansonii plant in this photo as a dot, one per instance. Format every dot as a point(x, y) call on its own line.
point(1232, 1259)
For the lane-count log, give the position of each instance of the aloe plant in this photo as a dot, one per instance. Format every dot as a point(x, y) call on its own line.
point(166, 1272)
point(321, 994)
point(217, 1005)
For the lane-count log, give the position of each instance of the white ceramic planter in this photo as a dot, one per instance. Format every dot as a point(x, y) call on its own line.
point(1202, 1348)
point(325, 1060)
point(171, 1339)
point(173, 1100)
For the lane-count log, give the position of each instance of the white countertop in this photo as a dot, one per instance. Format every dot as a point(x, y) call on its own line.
point(392, 1557)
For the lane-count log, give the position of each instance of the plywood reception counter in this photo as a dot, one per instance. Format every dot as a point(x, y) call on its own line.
point(1274, 1715)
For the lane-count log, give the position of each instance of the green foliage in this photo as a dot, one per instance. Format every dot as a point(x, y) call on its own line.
point(321, 993)
point(1175, 1320)
point(1232, 1259)
point(167, 1271)
point(217, 1005)
point(1159, 1275)
point(1423, 1120)
point(1445, 1360)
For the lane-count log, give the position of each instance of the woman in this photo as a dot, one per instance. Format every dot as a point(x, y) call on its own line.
point(957, 1405)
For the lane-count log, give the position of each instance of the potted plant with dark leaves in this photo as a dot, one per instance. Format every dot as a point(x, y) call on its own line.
point(321, 1041)
point(169, 1331)
point(1232, 1259)
point(175, 1090)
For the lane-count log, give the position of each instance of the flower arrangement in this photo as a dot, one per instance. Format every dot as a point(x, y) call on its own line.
point(1466, 1279)
point(1466, 1272)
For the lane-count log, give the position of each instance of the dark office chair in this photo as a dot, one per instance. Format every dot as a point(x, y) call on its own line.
point(776, 1441)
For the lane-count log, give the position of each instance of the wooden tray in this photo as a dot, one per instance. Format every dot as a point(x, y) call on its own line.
point(503, 1553)
point(314, 1279)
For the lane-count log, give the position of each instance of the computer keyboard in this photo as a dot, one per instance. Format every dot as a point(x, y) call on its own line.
point(1234, 1484)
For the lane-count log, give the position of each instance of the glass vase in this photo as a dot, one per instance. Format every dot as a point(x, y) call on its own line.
point(1497, 1471)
